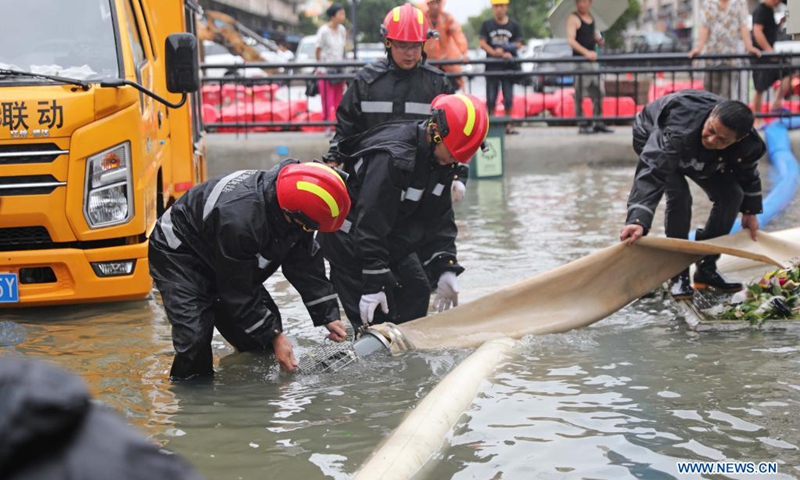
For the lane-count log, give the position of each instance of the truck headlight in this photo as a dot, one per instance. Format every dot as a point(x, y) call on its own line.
point(109, 191)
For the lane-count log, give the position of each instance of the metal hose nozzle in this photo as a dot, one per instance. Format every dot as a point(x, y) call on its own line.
point(336, 356)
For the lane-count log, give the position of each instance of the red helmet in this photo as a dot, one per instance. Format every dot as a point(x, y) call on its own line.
point(405, 24)
point(463, 123)
point(314, 194)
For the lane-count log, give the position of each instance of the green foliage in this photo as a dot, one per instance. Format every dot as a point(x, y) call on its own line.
point(613, 36)
point(307, 25)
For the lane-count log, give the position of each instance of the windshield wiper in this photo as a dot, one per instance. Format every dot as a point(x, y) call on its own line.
point(20, 73)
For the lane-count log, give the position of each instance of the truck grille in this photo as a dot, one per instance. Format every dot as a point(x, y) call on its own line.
point(29, 185)
point(30, 153)
point(24, 238)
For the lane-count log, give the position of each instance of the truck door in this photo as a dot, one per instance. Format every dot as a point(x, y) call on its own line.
point(141, 44)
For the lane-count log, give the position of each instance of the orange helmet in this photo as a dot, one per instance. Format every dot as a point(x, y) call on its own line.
point(405, 24)
point(463, 123)
point(314, 194)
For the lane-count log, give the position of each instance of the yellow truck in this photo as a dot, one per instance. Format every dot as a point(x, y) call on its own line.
point(100, 130)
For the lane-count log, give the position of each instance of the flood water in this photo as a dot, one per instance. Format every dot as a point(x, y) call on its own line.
point(625, 398)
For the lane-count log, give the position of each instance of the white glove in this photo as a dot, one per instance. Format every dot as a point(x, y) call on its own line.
point(369, 303)
point(457, 191)
point(446, 292)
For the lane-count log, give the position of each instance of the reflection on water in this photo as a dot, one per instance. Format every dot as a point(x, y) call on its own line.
point(626, 398)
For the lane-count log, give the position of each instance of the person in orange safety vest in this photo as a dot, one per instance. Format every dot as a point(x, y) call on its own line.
point(452, 43)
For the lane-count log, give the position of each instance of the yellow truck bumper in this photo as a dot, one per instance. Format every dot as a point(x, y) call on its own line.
point(76, 281)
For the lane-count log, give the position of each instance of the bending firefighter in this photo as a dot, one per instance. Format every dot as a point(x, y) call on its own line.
point(212, 251)
point(400, 175)
point(710, 140)
point(399, 87)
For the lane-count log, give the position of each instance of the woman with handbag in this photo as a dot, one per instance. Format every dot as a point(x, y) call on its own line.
point(331, 40)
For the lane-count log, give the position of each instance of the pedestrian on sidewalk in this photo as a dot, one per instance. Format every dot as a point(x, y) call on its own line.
point(723, 25)
point(501, 38)
point(584, 38)
point(331, 43)
point(765, 34)
point(451, 43)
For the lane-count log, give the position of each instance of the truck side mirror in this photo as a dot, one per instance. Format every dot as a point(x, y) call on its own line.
point(182, 63)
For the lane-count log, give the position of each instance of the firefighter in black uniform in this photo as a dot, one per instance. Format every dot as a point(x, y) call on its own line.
point(399, 87)
point(212, 251)
point(701, 136)
point(399, 179)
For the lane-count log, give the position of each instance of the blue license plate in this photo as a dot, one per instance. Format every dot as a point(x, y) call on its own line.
point(9, 288)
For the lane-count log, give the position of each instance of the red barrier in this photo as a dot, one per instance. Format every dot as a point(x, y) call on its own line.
point(304, 117)
point(665, 87)
point(517, 108)
point(612, 107)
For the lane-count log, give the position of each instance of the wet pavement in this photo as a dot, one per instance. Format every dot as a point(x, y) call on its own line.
point(626, 398)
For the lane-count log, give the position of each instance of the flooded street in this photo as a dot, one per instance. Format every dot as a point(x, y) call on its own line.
point(626, 398)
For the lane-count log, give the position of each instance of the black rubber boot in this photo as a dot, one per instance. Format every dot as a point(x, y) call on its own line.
point(680, 287)
point(708, 277)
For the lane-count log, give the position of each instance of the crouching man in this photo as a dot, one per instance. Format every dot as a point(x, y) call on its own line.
point(703, 137)
point(212, 251)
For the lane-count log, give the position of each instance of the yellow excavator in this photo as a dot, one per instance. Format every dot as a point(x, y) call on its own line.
point(228, 32)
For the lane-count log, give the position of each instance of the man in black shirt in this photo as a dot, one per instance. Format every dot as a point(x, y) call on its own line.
point(765, 33)
point(583, 37)
point(500, 37)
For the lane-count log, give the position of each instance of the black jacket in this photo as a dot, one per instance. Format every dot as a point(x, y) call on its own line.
point(382, 92)
point(50, 430)
point(401, 205)
point(667, 136)
point(235, 225)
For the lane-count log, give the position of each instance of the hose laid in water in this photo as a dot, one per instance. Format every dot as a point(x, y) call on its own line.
point(424, 429)
point(606, 281)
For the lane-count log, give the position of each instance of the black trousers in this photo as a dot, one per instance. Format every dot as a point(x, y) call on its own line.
point(189, 294)
point(492, 87)
point(725, 194)
point(408, 301)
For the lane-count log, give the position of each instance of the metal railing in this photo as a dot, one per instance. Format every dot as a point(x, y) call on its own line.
point(273, 98)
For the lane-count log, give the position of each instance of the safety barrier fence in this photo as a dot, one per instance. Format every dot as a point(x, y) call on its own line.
point(272, 97)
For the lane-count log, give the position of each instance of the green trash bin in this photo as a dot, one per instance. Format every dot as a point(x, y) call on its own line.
point(489, 163)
